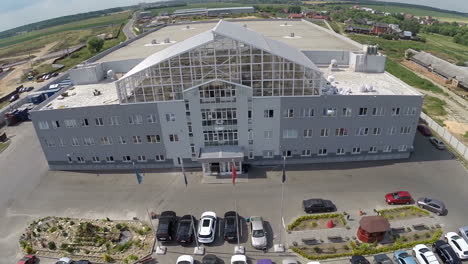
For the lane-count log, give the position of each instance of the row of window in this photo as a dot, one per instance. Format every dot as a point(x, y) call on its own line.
point(110, 159)
point(106, 140)
point(340, 132)
point(345, 112)
point(339, 151)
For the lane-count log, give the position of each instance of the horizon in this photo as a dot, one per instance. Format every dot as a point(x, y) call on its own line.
point(27, 10)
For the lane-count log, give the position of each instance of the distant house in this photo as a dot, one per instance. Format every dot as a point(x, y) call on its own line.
point(357, 29)
point(380, 28)
point(395, 28)
point(408, 16)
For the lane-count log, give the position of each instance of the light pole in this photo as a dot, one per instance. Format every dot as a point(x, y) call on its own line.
point(280, 247)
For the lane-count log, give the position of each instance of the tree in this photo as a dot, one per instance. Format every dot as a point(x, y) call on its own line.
point(294, 9)
point(95, 44)
point(410, 25)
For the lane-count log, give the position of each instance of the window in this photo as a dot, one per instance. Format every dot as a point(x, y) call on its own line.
point(330, 112)
point(340, 132)
point(80, 159)
point(306, 152)
point(414, 110)
point(402, 148)
point(405, 130)
point(395, 111)
point(251, 154)
point(136, 139)
point(70, 123)
point(99, 121)
point(135, 120)
point(363, 131)
point(268, 134)
point(289, 133)
point(61, 142)
point(307, 133)
point(88, 141)
point(373, 149)
point(406, 111)
point(110, 159)
point(346, 111)
point(170, 117)
point(49, 142)
point(378, 111)
point(43, 125)
point(70, 160)
point(84, 122)
point(287, 153)
point(324, 132)
point(268, 154)
point(126, 159)
point(269, 113)
point(55, 124)
point(363, 111)
point(114, 121)
point(153, 138)
point(387, 148)
point(322, 152)
point(75, 141)
point(307, 112)
point(151, 118)
point(249, 114)
point(159, 157)
point(340, 151)
point(106, 141)
point(173, 138)
point(289, 113)
point(141, 158)
point(376, 131)
point(96, 159)
point(392, 130)
point(122, 140)
point(250, 134)
point(356, 150)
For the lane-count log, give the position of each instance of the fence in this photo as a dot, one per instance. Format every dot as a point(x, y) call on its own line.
point(445, 134)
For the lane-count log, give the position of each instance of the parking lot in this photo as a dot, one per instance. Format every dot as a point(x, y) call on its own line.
point(30, 191)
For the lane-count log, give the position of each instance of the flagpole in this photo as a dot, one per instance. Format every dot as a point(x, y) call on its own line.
point(280, 247)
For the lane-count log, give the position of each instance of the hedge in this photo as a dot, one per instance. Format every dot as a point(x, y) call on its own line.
point(367, 249)
point(300, 219)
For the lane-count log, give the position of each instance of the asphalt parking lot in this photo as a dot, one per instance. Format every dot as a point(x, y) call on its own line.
point(29, 191)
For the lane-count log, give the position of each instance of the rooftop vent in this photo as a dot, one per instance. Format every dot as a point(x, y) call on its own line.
point(96, 92)
point(245, 25)
point(187, 27)
point(285, 23)
point(154, 42)
point(366, 88)
point(291, 34)
point(167, 40)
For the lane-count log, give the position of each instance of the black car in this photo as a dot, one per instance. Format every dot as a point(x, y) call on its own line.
point(318, 206)
point(81, 262)
point(210, 259)
point(166, 225)
point(382, 259)
point(184, 234)
point(445, 252)
point(230, 226)
point(358, 260)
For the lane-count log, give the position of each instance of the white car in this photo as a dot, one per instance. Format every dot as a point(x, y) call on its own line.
point(238, 259)
point(185, 259)
point(424, 255)
point(207, 228)
point(64, 260)
point(258, 233)
point(458, 244)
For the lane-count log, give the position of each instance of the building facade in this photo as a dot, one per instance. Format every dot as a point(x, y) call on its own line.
point(229, 94)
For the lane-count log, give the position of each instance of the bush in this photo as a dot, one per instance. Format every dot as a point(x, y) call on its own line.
point(29, 250)
point(23, 244)
point(132, 257)
point(123, 247)
point(313, 224)
point(53, 229)
point(72, 223)
point(64, 246)
point(86, 251)
point(317, 250)
point(416, 236)
point(408, 229)
point(70, 249)
point(107, 258)
point(427, 235)
point(51, 245)
point(346, 247)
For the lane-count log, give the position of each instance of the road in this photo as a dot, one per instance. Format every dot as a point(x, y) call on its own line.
point(28, 191)
point(128, 28)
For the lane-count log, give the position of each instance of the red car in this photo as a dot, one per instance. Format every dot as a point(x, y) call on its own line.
point(28, 259)
point(401, 197)
point(423, 129)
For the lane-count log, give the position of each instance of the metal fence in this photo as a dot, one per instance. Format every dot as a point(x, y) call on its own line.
point(447, 136)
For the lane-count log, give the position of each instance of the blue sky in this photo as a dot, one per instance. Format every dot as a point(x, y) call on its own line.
point(15, 13)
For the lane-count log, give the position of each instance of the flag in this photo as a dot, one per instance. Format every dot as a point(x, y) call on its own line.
point(138, 175)
point(234, 173)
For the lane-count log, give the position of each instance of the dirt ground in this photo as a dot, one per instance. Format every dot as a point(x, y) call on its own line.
point(458, 129)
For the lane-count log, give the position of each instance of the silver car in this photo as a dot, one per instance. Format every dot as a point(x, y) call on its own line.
point(289, 261)
point(439, 144)
point(432, 205)
point(463, 231)
point(258, 234)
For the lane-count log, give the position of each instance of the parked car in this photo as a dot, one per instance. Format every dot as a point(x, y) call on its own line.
point(166, 224)
point(317, 206)
point(258, 234)
point(64, 260)
point(55, 74)
point(458, 244)
point(432, 205)
point(400, 197)
point(264, 261)
point(445, 252)
point(185, 259)
point(424, 255)
point(30, 88)
point(289, 261)
point(359, 260)
point(463, 232)
point(382, 259)
point(424, 130)
point(230, 226)
point(439, 144)
point(207, 228)
point(210, 259)
point(185, 229)
point(13, 98)
point(46, 77)
point(239, 259)
point(401, 257)
point(28, 259)
point(82, 262)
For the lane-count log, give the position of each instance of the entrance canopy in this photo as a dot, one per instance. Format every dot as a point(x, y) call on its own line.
point(221, 153)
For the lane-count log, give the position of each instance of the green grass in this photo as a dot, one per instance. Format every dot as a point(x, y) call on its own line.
point(3, 146)
point(434, 106)
point(156, 11)
point(320, 23)
point(465, 135)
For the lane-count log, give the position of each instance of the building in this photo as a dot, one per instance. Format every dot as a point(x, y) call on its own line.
point(224, 92)
point(213, 11)
point(380, 28)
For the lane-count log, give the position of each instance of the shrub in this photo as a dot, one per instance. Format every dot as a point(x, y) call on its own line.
point(53, 229)
point(51, 245)
point(313, 224)
point(70, 249)
point(317, 250)
point(427, 235)
point(64, 234)
point(86, 251)
point(408, 229)
point(29, 250)
point(23, 243)
point(105, 229)
point(107, 258)
point(416, 236)
point(64, 246)
point(403, 214)
point(132, 257)
point(404, 239)
point(123, 247)
point(72, 223)
point(346, 247)
point(60, 227)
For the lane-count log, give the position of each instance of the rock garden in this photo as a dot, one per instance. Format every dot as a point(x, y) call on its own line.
point(96, 240)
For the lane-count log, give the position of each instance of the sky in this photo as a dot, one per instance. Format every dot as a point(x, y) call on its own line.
point(14, 13)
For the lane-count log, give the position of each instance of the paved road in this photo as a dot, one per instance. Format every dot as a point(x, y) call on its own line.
point(29, 191)
point(128, 28)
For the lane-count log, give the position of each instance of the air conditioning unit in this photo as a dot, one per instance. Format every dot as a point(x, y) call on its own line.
point(219, 122)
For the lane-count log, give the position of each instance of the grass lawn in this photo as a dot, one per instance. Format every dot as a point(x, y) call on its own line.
point(434, 106)
point(3, 146)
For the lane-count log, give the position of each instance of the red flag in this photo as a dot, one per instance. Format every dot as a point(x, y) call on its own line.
point(234, 173)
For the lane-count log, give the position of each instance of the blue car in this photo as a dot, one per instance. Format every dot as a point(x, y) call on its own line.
point(401, 257)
